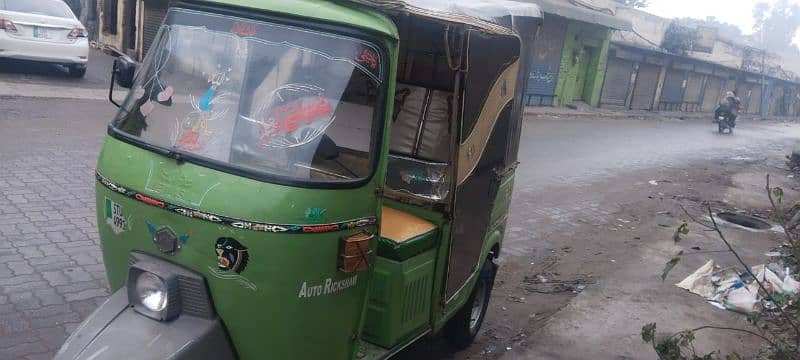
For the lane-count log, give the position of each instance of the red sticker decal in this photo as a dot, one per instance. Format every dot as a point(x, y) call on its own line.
point(244, 28)
point(368, 58)
point(321, 228)
point(289, 118)
point(190, 141)
point(149, 200)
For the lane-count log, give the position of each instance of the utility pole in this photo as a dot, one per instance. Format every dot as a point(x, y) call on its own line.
point(763, 70)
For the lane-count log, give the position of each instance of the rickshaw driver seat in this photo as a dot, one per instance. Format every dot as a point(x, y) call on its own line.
point(404, 235)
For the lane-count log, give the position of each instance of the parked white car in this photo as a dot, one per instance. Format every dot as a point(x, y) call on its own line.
point(43, 30)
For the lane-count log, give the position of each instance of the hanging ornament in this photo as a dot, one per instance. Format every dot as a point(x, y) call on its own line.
point(165, 94)
point(147, 108)
point(138, 93)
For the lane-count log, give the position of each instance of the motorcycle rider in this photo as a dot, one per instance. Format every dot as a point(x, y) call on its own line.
point(731, 105)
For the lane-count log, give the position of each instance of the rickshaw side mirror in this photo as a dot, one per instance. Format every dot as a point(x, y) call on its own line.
point(124, 69)
point(121, 74)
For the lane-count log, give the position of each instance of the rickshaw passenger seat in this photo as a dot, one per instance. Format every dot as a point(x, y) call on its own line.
point(404, 235)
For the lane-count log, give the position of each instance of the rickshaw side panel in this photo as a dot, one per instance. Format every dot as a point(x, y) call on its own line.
point(482, 156)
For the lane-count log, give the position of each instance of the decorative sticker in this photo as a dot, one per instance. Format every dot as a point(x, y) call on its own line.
point(165, 239)
point(315, 214)
point(245, 29)
point(233, 222)
point(115, 218)
point(296, 114)
point(192, 132)
point(368, 58)
point(231, 256)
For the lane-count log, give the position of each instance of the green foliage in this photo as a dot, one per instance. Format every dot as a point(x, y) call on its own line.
point(680, 346)
point(670, 265)
point(678, 39)
point(725, 30)
point(681, 230)
point(649, 332)
point(777, 192)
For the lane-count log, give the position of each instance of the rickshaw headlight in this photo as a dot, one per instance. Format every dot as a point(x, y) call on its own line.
point(152, 292)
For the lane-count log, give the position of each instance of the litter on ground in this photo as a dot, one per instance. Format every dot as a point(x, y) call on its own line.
point(727, 288)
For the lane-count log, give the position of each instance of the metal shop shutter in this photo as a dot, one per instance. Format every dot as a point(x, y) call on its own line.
point(744, 90)
point(543, 76)
point(694, 89)
point(754, 106)
point(645, 89)
point(672, 91)
point(777, 102)
point(713, 93)
point(616, 83)
point(154, 13)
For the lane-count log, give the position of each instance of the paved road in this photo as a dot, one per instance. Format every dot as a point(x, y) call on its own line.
point(26, 73)
point(51, 275)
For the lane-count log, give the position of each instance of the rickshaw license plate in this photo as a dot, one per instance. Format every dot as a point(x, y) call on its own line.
point(40, 32)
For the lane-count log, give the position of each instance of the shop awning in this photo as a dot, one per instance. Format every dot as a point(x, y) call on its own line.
point(584, 11)
point(491, 15)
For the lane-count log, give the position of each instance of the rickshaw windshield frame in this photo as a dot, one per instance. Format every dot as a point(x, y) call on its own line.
point(378, 115)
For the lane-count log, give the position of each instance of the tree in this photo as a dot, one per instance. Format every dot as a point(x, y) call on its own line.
point(774, 30)
point(726, 30)
point(776, 25)
point(634, 3)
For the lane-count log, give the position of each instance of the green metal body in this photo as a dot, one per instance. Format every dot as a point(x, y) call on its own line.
point(281, 305)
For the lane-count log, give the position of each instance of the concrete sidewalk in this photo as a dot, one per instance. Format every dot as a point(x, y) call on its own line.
point(585, 111)
point(17, 90)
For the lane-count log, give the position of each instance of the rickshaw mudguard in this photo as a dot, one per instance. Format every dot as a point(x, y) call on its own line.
point(116, 331)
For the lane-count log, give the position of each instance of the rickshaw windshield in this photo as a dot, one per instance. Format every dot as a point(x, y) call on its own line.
point(258, 97)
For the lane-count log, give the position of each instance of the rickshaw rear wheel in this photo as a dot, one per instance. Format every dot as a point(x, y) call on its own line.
point(461, 330)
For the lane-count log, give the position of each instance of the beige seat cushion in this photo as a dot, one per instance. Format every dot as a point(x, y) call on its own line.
point(400, 226)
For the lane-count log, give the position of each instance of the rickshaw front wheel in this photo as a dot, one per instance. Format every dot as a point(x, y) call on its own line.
point(461, 330)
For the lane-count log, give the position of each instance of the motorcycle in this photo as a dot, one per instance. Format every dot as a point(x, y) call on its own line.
point(725, 119)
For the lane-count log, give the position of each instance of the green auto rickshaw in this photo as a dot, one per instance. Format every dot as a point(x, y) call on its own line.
point(308, 179)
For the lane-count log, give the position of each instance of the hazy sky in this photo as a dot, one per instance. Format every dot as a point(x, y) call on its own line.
point(737, 12)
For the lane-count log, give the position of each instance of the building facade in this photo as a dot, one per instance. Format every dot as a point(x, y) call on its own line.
point(570, 53)
point(129, 26)
point(642, 75)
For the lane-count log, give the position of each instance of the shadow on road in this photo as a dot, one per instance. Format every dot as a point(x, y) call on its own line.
point(10, 66)
point(14, 71)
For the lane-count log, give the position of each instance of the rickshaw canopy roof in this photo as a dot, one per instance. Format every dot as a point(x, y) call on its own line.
point(490, 15)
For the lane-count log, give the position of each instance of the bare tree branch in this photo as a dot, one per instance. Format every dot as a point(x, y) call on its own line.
point(781, 216)
point(706, 327)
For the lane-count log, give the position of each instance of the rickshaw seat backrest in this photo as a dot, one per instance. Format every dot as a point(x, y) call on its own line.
point(420, 143)
point(421, 123)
